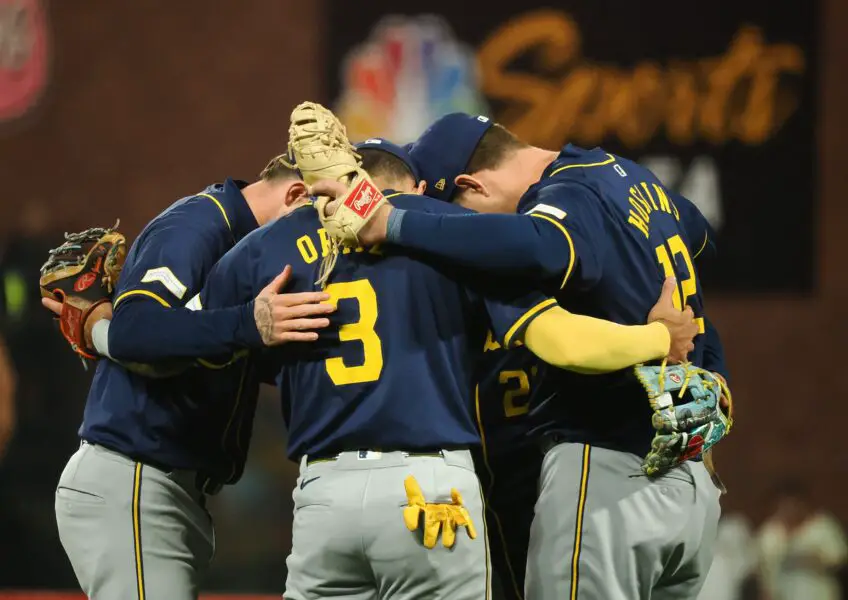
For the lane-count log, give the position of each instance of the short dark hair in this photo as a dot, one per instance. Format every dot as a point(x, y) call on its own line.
point(379, 163)
point(278, 168)
point(496, 144)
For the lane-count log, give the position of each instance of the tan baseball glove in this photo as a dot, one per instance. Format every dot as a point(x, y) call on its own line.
point(318, 145)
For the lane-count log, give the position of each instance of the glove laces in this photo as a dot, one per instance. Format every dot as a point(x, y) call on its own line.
point(69, 253)
point(328, 263)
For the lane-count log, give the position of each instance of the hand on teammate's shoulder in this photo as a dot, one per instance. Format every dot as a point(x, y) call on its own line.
point(295, 317)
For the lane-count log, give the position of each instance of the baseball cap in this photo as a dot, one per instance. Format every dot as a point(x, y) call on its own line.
point(401, 152)
point(444, 151)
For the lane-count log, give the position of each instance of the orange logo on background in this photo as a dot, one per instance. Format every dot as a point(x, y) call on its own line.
point(363, 199)
point(84, 281)
point(24, 56)
point(746, 93)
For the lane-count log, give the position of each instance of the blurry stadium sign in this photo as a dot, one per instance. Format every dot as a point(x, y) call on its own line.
point(408, 73)
point(23, 56)
point(722, 108)
point(718, 98)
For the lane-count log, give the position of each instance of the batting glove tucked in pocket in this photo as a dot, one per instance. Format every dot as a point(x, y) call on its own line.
point(448, 517)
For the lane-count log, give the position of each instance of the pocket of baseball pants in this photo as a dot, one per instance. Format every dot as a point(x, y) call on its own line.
point(76, 496)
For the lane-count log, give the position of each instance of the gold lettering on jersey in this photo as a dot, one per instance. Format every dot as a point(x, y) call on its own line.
point(307, 249)
point(745, 94)
point(646, 199)
point(325, 242)
point(491, 343)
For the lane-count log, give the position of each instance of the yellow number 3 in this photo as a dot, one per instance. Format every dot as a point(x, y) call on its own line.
point(361, 330)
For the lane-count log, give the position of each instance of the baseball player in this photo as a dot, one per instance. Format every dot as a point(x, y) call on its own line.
point(602, 232)
point(508, 461)
point(509, 381)
point(130, 504)
point(388, 396)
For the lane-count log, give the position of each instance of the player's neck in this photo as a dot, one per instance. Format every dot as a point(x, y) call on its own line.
point(531, 162)
point(265, 199)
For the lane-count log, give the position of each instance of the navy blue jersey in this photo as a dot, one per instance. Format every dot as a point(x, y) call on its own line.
point(398, 371)
point(509, 460)
point(190, 421)
point(507, 380)
point(626, 234)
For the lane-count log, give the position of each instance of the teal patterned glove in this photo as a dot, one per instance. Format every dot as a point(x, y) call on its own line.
point(688, 416)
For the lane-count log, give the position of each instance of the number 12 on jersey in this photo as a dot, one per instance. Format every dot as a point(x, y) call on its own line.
point(687, 287)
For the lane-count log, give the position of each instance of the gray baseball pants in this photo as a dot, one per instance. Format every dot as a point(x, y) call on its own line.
point(349, 539)
point(132, 531)
point(599, 533)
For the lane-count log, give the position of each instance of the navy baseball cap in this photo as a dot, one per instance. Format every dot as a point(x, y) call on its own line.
point(444, 151)
point(401, 152)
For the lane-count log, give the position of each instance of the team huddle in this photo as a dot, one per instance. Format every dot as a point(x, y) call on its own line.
point(489, 356)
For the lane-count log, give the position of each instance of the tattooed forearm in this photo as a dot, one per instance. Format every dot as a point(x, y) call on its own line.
point(264, 321)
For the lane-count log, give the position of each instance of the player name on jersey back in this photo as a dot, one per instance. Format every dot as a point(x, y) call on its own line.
point(628, 235)
point(396, 370)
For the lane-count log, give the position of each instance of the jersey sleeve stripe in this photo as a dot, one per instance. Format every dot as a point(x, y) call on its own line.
point(609, 160)
point(220, 207)
point(392, 195)
point(156, 297)
point(578, 529)
point(570, 244)
point(168, 279)
point(237, 356)
point(704, 245)
point(526, 318)
point(136, 522)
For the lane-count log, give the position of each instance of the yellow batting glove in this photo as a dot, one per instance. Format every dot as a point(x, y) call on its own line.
point(458, 517)
point(446, 517)
point(433, 517)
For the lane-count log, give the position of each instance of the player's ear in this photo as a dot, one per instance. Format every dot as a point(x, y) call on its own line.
point(421, 187)
point(471, 183)
point(296, 192)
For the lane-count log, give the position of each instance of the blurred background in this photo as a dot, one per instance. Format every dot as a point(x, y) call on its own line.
point(114, 110)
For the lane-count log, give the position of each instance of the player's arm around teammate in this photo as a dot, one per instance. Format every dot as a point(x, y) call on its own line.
point(579, 342)
point(130, 504)
point(166, 278)
point(340, 477)
point(474, 163)
point(583, 263)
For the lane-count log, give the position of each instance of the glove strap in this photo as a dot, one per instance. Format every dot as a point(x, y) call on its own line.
point(71, 324)
point(362, 198)
point(709, 464)
point(328, 263)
